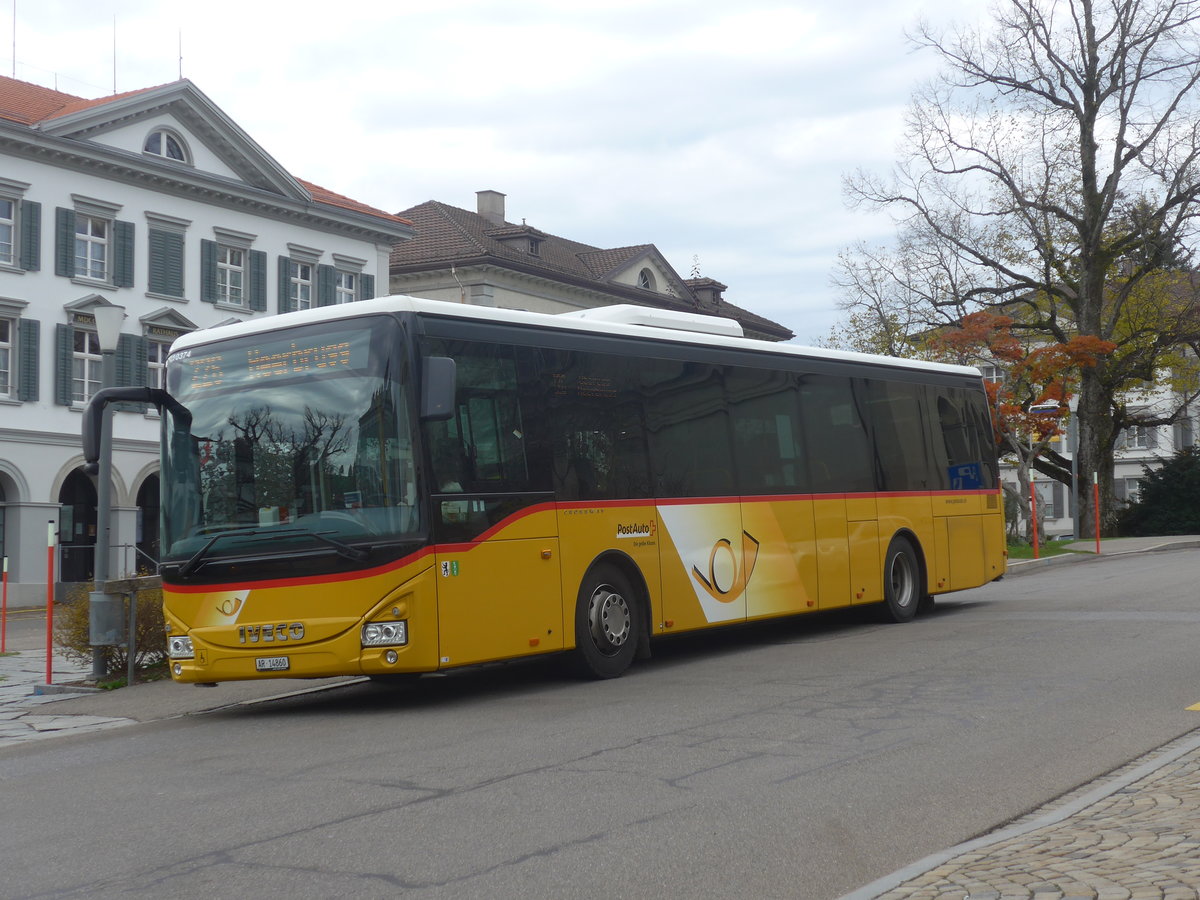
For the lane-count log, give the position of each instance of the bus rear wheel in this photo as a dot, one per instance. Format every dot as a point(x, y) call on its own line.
point(607, 623)
point(902, 589)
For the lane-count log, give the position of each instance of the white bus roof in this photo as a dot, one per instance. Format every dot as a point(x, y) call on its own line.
point(623, 320)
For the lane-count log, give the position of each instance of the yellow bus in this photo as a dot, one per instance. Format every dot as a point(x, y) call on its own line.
point(400, 486)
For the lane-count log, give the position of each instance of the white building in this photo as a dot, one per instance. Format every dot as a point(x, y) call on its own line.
point(153, 200)
point(1138, 447)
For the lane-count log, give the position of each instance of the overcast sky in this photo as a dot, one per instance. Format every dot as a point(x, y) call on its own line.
point(717, 131)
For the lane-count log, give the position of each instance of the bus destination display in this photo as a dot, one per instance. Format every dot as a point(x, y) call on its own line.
point(294, 356)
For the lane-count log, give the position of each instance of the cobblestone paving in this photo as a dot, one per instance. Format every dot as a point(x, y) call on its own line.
point(1140, 841)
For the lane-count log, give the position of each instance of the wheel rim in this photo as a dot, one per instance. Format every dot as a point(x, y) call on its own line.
point(903, 581)
point(609, 619)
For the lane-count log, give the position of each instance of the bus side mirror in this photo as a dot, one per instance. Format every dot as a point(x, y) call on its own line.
point(438, 382)
point(93, 416)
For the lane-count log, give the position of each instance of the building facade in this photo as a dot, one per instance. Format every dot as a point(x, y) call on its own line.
point(154, 201)
point(482, 259)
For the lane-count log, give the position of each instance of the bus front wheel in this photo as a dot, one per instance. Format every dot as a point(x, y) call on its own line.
point(607, 623)
point(901, 581)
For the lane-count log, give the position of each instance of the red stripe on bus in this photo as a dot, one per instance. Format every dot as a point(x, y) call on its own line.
point(507, 521)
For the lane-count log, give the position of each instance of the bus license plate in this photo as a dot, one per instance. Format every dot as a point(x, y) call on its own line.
point(271, 663)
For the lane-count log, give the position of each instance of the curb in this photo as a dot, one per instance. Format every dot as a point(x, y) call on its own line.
point(1051, 813)
point(1026, 566)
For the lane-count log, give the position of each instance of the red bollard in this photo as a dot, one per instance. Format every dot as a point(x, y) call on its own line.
point(50, 604)
point(4, 608)
point(1033, 516)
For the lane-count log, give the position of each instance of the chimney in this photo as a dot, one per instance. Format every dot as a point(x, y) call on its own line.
point(490, 205)
point(707, 291)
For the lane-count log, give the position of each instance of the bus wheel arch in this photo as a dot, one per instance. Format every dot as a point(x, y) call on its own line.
point(904, 580)
point(611, 617)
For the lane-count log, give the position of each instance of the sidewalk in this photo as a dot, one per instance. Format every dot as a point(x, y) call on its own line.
point(1109, 547)
point(30, 710)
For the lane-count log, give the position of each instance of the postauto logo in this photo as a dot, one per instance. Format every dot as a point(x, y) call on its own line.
point(637, 529)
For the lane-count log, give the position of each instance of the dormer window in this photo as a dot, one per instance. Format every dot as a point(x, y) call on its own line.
point(646, 280)
point(166, 144)
point(535, 247)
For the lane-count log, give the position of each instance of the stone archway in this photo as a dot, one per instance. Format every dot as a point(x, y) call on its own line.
point(77, 527)
point(147, 532)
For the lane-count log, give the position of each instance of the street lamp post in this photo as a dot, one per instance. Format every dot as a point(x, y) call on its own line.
point(104, 614)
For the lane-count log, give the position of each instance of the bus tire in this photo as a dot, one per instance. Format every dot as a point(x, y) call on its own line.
point(902, 589)
point(607, 623)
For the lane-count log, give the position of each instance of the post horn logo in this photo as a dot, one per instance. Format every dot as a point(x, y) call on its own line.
point(726, 581)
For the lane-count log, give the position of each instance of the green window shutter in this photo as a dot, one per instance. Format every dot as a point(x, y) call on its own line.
point(64, 242)
point(28, 336)
point(166, 263)
point(31, 236)
point(285, 284)
point(257, 276)
point(326, 285)
point(366, 287)
point(208, 271)
point(132, 360)
point(123, 236)
point(64, 342)
point(126, 359)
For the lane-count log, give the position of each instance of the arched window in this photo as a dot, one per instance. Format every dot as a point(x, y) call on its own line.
point(646, 280)
point(167, 144)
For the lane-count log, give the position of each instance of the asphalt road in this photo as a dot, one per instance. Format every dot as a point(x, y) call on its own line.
point(800, 759)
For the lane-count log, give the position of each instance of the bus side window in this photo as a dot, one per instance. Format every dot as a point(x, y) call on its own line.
point(985, 433)
point(599, 441)
point(481, 447)
point(900, 436)
point(964, 467)
point(840, 456)
point(766, 432)
point(688, 429)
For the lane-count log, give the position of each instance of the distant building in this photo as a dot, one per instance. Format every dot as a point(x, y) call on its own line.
point(153, 200)
point(482, 259)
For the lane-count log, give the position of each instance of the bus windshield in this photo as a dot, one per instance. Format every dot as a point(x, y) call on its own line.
point(299, 440)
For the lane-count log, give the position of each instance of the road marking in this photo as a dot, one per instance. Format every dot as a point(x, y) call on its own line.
point(1195, 707)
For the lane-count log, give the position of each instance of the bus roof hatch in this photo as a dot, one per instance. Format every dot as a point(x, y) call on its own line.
point(628, 314)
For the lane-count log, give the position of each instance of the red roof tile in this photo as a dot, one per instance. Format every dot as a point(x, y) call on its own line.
point(28, 103)
point(329, 198)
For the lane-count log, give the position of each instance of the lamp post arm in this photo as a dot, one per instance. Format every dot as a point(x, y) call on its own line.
point(93, 415)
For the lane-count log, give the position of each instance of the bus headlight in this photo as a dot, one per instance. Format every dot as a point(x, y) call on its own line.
point(180, 647)
point(385, 634)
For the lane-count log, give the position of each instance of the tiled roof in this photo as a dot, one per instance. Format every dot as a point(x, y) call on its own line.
point(448, 235)
point(328, 197)
point(31, 104)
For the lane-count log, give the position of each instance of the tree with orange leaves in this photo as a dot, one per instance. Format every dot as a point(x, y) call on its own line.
point(1030, 403)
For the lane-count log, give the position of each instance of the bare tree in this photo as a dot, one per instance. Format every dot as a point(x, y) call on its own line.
point(1023, 161)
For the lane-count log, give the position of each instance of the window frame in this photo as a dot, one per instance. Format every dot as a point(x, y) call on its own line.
point(302, 284)
point(90, 241)
point(225, 269)
point(167, 135)
point(342, 293)
point(8, 259)
point(84, 360)
point(8, 356)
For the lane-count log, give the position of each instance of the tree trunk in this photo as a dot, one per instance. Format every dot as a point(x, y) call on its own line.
point(1096, 440)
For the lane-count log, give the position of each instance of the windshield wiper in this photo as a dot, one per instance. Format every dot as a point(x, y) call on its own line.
point(343, 549)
